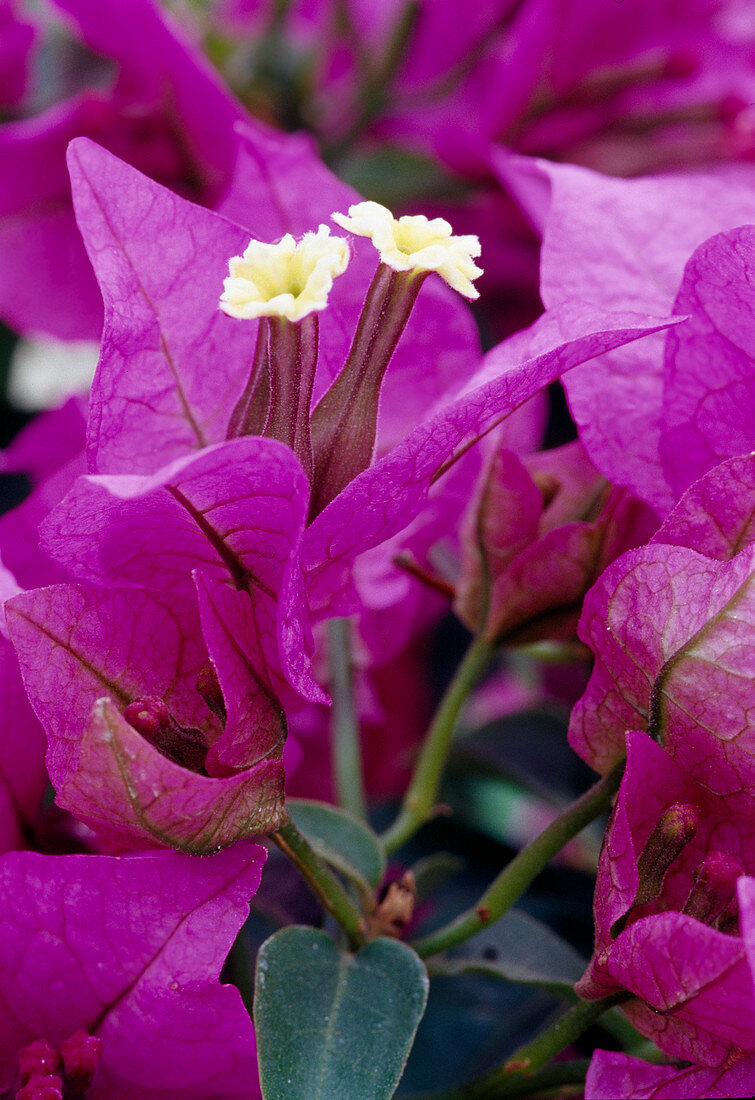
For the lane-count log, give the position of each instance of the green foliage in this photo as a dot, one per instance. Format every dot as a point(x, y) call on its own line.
point(332, 1024)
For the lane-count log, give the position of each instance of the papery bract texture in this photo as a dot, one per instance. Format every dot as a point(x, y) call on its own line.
point(693, 982)
point(234, 511)
point(129, 950)
point(22, 751)
point(86, 655)
point(164, 109)
point(615, 1076)
point(709, 378)
point(385, 497)
point(624, 244)
point(672, 634)
point(172, 365)
point(715, 516)
point(538, 533)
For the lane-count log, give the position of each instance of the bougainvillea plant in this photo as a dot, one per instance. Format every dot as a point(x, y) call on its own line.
point(386, 613)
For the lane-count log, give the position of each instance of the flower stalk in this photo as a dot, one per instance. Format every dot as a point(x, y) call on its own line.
point(322, 881)
point(422, 793)
point(511, 883)
point(347, 750)
point(525, 1067)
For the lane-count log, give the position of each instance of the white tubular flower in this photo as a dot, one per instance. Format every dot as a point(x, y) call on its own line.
point(289, 279)
point(414, 242)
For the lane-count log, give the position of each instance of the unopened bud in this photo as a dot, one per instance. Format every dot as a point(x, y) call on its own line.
point(149, 716)
point(209, 688)
point(38, 1059)
point(675, 829)
point(41, 1088)
point(715, 884)
point(81, 1056)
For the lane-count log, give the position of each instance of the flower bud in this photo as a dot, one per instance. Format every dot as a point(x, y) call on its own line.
point(714, 889)
point(81, 1056)
point(673, 832)
point(149, 716)
point(675, 829)
point(38, 1059)
point(49, 1087)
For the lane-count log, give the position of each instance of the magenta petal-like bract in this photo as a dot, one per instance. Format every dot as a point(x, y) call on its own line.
point(130, 793)
point(171, 364)
point(255, 725)
point(710, 361)
point(235, 511)
point(716, 516)
point(693, 981)
point(86, 654)
point(385, 497)
point(22, 753)
point(616, 1076)
point(672, 632)
point(129, 950)
point(623, 244)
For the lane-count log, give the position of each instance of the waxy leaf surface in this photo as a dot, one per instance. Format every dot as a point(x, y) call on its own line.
point(332, 1024)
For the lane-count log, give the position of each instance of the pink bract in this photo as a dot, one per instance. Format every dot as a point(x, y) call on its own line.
point(696, 980)
point(129, 950)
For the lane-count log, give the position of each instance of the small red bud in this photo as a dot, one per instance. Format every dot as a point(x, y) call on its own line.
point(715, 887)
point(81, 1056)
point(149, 716)
point(38, 1059)
point(41, 1088)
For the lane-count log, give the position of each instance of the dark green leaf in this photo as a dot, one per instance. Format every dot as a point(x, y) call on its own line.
point(330, 1024)
point(342, 840)
point(520, 949)
point(392, 176)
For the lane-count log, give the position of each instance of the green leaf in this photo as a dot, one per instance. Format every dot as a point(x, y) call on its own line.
point(341, 839)
point(392, 175)
point(520, 949)
point(330, 1024)
point(434, 871)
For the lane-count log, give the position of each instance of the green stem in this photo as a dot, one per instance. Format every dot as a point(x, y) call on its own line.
point(509, 886)
point(347, 750)
point(321, 880)
point(545, 1082)
point(522, 1073)
point(420, 798)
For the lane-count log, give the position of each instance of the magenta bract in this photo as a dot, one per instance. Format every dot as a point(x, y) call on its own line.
point(87, 654)
point(129, 950)
point(165, 110)
point(695, 979)
point(672, 635)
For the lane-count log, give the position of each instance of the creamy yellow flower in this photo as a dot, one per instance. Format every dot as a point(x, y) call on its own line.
point(289, 279)
point(414, 242)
